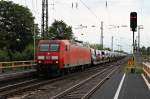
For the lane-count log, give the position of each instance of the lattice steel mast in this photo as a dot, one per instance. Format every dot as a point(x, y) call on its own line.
point(44, 24)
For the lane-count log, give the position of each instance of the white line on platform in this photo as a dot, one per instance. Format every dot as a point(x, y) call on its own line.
point(147, 83)
point(119, 88)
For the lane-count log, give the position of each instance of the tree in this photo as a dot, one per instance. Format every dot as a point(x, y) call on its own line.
point(148, 50)
point(108, 49)
point(60, 30)
point(16, 26)
point(96, 46)
point(3, 56)
point(119, 51)
point(37, 32)
point(143, 50)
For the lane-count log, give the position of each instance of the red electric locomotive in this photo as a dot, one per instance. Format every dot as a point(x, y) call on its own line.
point(54, 56)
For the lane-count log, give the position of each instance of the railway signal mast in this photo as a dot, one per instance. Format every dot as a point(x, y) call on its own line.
point(44, 24)
point(133, 26)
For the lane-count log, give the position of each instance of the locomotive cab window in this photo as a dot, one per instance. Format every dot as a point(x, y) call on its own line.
point(44, 47)
point(54, 47)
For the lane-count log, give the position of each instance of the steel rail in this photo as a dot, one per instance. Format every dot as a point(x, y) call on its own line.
point(38, 84)
point(34, 84)
point(22, 86)
point(86, 96)
point(4, 88)
point(16, 75)
point(71, 89)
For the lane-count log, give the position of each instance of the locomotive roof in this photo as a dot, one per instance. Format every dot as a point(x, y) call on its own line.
point(65, 41)
point(53, 41)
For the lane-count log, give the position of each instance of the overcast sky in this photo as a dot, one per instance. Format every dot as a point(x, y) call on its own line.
point(92, 12)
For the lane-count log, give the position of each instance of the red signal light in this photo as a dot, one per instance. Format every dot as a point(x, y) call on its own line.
point(133, 21)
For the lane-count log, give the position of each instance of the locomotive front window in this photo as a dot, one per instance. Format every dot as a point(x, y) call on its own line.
point(54, 47)
point(44, 47)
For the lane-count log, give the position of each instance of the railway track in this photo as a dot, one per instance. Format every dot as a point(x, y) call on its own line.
point(6, 91)
point(15, 88)
point(24, 86)
point(6, 77)
point(12, 87)
point(53, 89)
point(85, 88)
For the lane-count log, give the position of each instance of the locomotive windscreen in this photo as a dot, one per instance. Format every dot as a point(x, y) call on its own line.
point(49, 47)
point(54, 47)
point(44, 47)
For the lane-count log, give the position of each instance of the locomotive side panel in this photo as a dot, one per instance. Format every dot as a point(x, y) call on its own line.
point(78, 56)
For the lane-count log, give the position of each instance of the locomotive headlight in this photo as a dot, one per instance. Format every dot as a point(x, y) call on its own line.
point(56, 62)
point(39, 62)
point(54, 57)
point(41, 57)
point(48, 53)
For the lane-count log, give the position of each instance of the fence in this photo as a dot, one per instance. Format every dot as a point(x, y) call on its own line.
point(146, 71)
point(15, 65)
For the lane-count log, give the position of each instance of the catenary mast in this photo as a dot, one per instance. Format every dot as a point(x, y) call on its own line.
point(44, 24)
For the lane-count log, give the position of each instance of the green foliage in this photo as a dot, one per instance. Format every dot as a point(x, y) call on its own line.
point(119, 51)
point(143, 50)
point(99, 47)
point(96, 46)
point(148, 50)
point(37, 32)
point(28, 53)
point(3, 56)
point(60, 30)
point(17, 56)
point(108, 49)
point(16, 26)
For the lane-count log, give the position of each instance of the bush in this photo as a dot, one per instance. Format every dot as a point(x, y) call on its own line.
point(28, 53)
point(3, 56)
point(17, 56)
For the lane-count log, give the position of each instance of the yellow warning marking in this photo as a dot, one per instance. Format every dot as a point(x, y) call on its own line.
point(131, 62)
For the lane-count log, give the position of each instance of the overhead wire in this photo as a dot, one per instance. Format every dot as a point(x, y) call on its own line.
point(76, 5)
point(89, 9)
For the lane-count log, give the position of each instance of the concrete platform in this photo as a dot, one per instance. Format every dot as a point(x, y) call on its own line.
point(133, 87)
